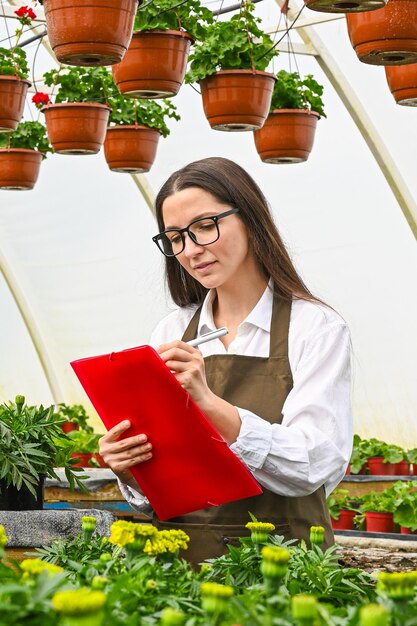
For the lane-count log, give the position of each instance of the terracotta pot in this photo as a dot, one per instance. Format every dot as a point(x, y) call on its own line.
point(387, 36)
point(83, 458)
point(344, 6)
point(12, 101)
point(345, 521)
point(19, 168)
point(89, 32)
point(131, 149)
point(402, 81)
point(378, 468)
point(287, 136)
point(12, 499)
point(237, 100)
point(379, 522)
point(67, 427)
point(154, 65)
point(407, 531)
point(76, 127)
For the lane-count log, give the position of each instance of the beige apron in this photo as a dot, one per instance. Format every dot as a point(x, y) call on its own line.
point(261, 385)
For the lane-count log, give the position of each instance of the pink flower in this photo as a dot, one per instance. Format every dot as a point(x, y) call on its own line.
point(40, 99)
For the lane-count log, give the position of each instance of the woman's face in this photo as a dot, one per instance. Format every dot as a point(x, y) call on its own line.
point(220, 263)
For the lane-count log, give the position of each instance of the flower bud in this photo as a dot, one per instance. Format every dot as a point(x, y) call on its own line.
point(88, 523)
point(373, 615)
point(214, 597)
point(398, 585)
point(105, 557)
point(316, 535)
point(99, 582)
point(304, 609)
point(151, 584)
point(274, 561)
point(259, 531)
point(80, 607)
point(3, 537)
point(172, 617)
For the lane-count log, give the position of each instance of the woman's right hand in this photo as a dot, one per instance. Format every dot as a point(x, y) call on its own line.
point(121, 454)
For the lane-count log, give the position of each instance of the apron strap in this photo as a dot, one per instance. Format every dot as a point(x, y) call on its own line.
point(192, 328)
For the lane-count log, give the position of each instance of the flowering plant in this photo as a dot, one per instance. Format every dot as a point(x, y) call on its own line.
point(13, 61)
point(28, 135)
point(40, 99)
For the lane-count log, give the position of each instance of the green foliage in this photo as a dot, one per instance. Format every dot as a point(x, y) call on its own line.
point(79, 84)
point(383, 502)
point(293, 92)
point(364, 449)
point(405, 511)
point(13, 62)
point(81, 441)
point(231, 45)
point(131, 111)
point(32, 444)
point(29, 135)
point(76, 414)
point(341, 499)
point(190, 16)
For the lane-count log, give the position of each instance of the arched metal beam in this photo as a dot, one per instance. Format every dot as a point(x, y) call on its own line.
point(362, 120)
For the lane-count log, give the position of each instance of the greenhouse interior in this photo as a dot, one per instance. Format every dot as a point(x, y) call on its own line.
point(270, 147)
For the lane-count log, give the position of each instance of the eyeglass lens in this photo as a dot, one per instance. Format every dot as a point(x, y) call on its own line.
point(203, 232)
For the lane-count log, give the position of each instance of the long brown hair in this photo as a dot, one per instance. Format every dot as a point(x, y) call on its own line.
point(231, 184)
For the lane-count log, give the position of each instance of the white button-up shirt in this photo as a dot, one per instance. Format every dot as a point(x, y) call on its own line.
point(312, 445)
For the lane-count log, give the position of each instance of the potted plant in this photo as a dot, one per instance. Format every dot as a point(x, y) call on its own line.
point(14, 71)
point(77, 121)
point(344, 6)
point(359, 456)
point(343, 509)
point(385, 459)
point(89, 32)
point(156, 61)
point(405, 512)
point(402, 81)
point(411, 457)
point(32, 444)
point(21, 154)
point(288, 133)
point(135, 127)
point(84, 448)
point(75, 417)
point(378, 509)
point(387, 36)
point(229, 67)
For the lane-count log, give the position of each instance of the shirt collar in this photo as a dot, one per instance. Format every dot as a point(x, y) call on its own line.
point(260, 316)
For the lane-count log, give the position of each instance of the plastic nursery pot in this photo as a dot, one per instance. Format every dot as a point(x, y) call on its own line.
point(131, 149)
point(19, 168)
point(345, 521)
point(347, 472)
point(83, 458)
point(378, 468)
point(154, 65)
point(402, 81)
point(344, 6)
point(379, 522)
point(12, 101)
point(407, 531)
point(237, 100)
point(67, 427)
point(89, 32)
point(76, 127)
point(387, 36)
point(287, 136)
point(12, 499)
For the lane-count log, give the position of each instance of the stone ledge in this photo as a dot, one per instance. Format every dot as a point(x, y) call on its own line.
point(33, 529)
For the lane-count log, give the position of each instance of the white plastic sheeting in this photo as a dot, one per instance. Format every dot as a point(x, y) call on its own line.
point(79, 245)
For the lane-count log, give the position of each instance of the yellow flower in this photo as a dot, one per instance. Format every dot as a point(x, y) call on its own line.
point(78, 601)
point(3, 538)
point(34, 567)
point(124, 533)
point(259, 531)
point(166, 541)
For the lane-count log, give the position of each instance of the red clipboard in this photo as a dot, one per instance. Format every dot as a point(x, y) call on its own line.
point(192, 467)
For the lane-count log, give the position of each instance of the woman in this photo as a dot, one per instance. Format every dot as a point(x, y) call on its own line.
point(276, 387)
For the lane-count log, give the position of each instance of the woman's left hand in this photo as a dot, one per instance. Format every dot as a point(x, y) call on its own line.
point(187, 365)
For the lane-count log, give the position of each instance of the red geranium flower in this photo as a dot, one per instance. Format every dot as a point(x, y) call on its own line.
point(26, 12)
point(40, 99)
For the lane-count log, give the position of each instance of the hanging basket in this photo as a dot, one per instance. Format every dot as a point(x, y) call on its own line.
point(402, 81)
point(387, 36)
point(154, 65)
point(237, 100)
point(287, 136)
point(13, 92)
point(76, 127)
point(89, 32)
point(131, 149)
point(344, 6)
point(19, 168)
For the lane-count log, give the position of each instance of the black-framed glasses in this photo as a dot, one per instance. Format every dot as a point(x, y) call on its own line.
point(203, 232)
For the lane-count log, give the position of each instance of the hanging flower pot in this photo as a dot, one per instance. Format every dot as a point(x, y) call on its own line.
point(154, 65)
point(131, 149)
point(379, 522)
point(287, 136)
point(89, 32)
point(12, 101)
point(76, 127)
point(387, 36)
point(402, 81)
point(19, 168)
point(237, 100)
point(345, 521)
point(344, 6)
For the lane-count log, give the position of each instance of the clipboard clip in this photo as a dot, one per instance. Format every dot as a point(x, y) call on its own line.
point(212, 503)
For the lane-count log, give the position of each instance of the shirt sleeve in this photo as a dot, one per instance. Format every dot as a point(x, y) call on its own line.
point(135, 499)
point(312, 445)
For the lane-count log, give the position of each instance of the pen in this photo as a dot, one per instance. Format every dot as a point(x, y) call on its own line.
point(213, 334)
